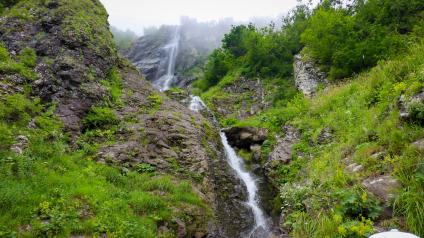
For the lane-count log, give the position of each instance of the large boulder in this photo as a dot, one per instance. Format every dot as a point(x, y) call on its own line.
point(383, 187)
point(307, 76)
point(245, 137)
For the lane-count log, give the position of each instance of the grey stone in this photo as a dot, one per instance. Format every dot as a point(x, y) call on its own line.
point(307, 76)
point(282, 153)
point(383, 187)
point(404, 104)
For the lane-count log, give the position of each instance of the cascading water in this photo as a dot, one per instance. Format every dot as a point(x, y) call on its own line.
point(237, 164)
point(164, 82)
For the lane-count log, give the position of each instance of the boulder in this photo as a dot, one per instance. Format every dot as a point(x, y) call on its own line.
point(405, 103)
point(325, 136)
point(383, 187)
point(245, 137)
point(20, 145)
point(419, 144)
point(282, 153)
point(307, 76)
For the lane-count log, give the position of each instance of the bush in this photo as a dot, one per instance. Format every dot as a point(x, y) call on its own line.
point(416, 111)
point(100, 117)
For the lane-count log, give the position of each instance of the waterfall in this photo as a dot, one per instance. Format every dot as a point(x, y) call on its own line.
point(237, 164)
point(165, 81)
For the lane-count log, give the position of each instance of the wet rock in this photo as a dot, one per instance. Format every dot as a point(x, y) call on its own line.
point(307, 76)
point(325, 136)
point(259, 232)
point(20, 145)
point(282, 153)
point(405, 103)
point(245, 137)
point(383, 187)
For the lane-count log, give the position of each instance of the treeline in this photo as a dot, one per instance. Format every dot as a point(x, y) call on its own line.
point(345, 37)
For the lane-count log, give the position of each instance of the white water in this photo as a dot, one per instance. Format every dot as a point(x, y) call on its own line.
point(236, 163)
point(165, 81)
point(196, 104)
point(252, 189)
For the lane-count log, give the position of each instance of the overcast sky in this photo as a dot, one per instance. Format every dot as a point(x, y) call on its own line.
point(137, 14)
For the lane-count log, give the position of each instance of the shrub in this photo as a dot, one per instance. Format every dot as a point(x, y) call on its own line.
point(416, 111)
point(100, 117)
point(28, 57)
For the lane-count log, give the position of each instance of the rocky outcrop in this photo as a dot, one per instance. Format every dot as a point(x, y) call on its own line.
point(70, 65)
point(383, 187)
point(307, 76)
point(148, 53)
point(245, 137)
point(325, 136)
point(282, 153)
point(240, 99)
point(405, 105)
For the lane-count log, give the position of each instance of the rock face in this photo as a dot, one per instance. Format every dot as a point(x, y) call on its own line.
point(148, 53)
point(242, 98)
point(282, 153)
point(245, 137)
point(307, 76)
point(70, 65)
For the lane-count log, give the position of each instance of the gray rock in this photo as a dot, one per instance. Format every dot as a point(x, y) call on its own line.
point(383, 187)
point(419, 144)
point(405, 103)
point(245, 137)
point(325, 136)
point(354, 168)
point(20, 145)
point(282, 153)
point(307, 76)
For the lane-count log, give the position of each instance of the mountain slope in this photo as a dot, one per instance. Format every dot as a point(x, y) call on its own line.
point(95, 150)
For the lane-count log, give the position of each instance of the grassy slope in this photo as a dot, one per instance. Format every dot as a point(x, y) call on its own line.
point(52, 190)
point(318, 196)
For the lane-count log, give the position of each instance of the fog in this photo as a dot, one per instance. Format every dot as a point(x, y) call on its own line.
point(139, 14)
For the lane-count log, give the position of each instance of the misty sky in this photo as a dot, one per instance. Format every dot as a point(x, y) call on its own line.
point(137, 14)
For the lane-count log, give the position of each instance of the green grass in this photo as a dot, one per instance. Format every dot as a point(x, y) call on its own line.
point(364, 116)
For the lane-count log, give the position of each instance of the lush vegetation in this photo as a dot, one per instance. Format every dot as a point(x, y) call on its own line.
point(378, 45)
point(53, 187)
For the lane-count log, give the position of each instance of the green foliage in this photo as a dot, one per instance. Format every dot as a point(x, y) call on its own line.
point(28, 57)
point(356, 204)
point(68, 194)
point(114, 85)
point(23, 67)
point(144, 168)
point(416, 112)
point(349, 40)
point(155, 101)
point(100, 117)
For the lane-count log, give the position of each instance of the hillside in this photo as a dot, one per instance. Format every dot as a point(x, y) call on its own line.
point(88, 147)
point(339, 90)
